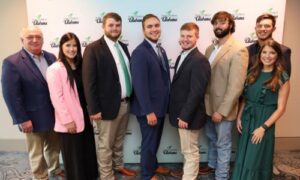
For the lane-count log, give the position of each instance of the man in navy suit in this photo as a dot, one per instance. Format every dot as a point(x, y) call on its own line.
point(107, 87)
point(26, 94)
point(187, 109)
point(151, 87)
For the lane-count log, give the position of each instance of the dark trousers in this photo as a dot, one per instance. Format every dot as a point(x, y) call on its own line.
point(151, 136)
point(79, 154)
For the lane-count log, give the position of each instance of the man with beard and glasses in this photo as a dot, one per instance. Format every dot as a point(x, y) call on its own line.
point(107, 86)
point(151, 85)
point(229, 61)
point(265, 26)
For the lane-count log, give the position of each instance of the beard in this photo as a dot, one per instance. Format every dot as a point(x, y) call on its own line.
point(113, 38)
point(221, 33)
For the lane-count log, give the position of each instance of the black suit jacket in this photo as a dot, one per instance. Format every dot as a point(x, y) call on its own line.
point(286, 52)
point(101, 80)
point(188, 89)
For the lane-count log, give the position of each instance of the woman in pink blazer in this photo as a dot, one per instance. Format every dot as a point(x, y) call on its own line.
point(71, 117)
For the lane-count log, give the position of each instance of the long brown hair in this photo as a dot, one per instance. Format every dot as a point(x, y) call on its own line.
point(275, 81)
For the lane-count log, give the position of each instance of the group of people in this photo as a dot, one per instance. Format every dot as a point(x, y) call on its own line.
point(81, 104)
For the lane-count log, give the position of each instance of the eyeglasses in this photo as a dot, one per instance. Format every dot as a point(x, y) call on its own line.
point(37, 37)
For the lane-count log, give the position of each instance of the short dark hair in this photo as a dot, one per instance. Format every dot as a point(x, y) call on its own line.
point(112, 15)
point(266, 16)
point(148, 16)
point(190, 26)
point(226, 16)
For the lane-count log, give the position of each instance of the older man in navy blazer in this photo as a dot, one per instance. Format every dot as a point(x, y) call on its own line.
point(151, 87)
point(26, 94)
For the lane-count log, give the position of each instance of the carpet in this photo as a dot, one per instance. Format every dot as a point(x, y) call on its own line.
point(15, 166)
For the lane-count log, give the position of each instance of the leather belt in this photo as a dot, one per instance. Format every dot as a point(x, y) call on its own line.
point(125, 99)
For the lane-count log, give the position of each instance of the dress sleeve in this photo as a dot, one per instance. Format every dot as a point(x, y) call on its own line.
point(284, 77)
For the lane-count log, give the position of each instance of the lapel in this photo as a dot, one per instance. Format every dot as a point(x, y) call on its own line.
point(224, 49)
point(184, 63)
point(29, 63)
point(108, 55)
point(155, 56)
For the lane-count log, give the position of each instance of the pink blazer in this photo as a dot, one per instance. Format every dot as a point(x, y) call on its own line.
point(64, 99)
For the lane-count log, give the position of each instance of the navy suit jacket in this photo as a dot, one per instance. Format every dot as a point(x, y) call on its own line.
point(101, 81)
point(286, 53)
point(25, 91)
point(188, 90)
point(151, 82)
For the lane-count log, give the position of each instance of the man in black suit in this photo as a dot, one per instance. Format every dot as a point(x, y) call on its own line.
point(107, 86)
point(187, 109)
point(265, 26)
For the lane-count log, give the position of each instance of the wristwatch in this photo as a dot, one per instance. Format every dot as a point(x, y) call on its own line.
point(264, 126)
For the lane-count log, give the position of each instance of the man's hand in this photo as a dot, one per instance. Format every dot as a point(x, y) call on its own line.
point(216, 117)
point(182, 124)
point(71, 127)
point(26, 126)
point(152, 119)
point(96, 117)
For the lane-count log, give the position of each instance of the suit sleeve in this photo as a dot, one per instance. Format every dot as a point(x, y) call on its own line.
point(140, 80)
point(12, 92)
point(200, 76)
point(287, 60)
point(55, 85)
point(90, 81)
point(236, 80)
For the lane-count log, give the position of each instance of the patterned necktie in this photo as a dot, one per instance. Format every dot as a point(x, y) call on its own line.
point(125, 70)
point(160, 55)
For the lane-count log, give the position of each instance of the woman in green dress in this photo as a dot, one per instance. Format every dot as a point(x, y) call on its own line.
point(264, 101)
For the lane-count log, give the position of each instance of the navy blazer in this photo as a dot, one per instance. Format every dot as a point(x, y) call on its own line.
point(151, 82)
point(101, 81)
point(286, 53)
point(25, 91)
point(188, 90)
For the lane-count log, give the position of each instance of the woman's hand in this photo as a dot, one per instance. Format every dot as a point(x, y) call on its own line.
point(239, 125)
point(71, 127)
point(258, 135)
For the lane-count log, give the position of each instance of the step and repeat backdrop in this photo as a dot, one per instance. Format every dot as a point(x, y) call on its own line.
point(84, 18)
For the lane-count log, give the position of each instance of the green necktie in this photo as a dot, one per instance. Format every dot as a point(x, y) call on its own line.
point(125, 70)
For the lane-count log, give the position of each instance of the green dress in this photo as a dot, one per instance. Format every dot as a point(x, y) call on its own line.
point(255, 161)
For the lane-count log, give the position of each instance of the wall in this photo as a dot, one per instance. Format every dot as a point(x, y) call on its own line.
point(13, 17)
point(289, 124)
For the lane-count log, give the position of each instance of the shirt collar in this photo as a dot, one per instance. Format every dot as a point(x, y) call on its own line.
point(109, 41)
point(186, 52)
point(152, 44)
point(33, 55)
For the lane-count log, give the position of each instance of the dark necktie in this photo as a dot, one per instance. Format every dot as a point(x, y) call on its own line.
point(160, 56)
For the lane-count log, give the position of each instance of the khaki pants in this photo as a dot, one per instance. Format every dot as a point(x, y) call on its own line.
point(190, 151)
point(43, 149)
point(109, 138)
